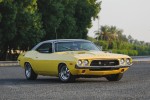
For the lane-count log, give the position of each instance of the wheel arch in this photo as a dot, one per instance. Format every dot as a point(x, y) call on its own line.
point(33, 75)
point(60, 65)
point(26, 63)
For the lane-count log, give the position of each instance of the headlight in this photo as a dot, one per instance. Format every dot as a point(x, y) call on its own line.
point(79, 62)
point(85, 62)
point(128, 61)
point(121, 61)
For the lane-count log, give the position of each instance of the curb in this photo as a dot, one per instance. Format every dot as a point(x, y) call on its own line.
point(16, 64)
point(9, 63)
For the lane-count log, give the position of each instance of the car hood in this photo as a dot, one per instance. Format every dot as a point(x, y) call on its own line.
point(94, 55)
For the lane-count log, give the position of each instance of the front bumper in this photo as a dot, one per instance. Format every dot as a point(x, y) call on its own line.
point(98, 70)
point(100, 67)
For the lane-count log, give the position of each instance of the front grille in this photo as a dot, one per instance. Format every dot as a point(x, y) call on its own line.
point(104, 63)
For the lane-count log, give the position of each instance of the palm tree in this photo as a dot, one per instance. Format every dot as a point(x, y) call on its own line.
point(113, 30)
point(116, 33)
point(108, 33)
point(103, 33)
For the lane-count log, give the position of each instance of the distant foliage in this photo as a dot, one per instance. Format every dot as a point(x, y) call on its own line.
point(24, 23)
point(111, 38)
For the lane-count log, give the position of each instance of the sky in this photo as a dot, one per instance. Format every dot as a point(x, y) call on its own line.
point(133, 16)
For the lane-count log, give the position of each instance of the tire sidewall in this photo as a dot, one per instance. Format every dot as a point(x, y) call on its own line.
point(115, 77)
point(59, 74)
point(33, 75)
point(27, 65)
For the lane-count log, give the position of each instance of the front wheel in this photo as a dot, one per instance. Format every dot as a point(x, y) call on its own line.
point(65, 75)
point(114, 77)
point(29, 73)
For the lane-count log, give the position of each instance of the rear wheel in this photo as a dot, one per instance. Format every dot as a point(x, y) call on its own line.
point(29, 73)
point(114, 77)
point(65, 75)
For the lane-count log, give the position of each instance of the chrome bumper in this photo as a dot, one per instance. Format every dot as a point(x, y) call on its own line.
point(100, 67)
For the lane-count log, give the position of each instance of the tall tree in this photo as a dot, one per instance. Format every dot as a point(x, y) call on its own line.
point(130, 39)
point(24, 23)
point(68, 27)
point(67, 18)
point(0, 12)
point(85, 10)
point(8, 11)
point(20, 25)
point(103, 33)
point(52, 15)
point(109, 33)
point(114, 32)
point(28, 24)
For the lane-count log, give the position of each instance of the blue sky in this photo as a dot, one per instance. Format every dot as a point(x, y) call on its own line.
point(133, 16)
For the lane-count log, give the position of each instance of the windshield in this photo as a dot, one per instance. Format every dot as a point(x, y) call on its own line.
point(75, 46)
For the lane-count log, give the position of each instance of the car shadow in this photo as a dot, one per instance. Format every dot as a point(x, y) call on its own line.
point(24, 81)
point(55, 80)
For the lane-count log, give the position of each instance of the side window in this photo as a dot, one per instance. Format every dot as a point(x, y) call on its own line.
point(45, 48)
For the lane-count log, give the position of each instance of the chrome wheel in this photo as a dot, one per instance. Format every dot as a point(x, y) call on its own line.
point(28, 70)
point(64, 73)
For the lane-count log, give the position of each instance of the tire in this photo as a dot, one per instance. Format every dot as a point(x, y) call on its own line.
point(114, 77)
point(29, 73)
point(65, 75)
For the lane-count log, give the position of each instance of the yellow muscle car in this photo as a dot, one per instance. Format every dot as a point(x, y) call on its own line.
point(69, 59)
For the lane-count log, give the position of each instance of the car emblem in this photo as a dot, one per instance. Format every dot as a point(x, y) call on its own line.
point(99, 63)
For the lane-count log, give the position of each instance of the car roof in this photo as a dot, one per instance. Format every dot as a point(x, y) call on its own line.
point(66, 40)
point(59, 40)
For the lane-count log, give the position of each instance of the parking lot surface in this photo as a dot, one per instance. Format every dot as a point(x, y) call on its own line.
point(135, 85)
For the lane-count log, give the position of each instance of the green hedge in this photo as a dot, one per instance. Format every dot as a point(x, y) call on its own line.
point(127, 52)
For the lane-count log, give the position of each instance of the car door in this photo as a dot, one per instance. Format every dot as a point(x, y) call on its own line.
point(42, 59)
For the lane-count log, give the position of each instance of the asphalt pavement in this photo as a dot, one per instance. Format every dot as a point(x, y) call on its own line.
point(135, 85)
